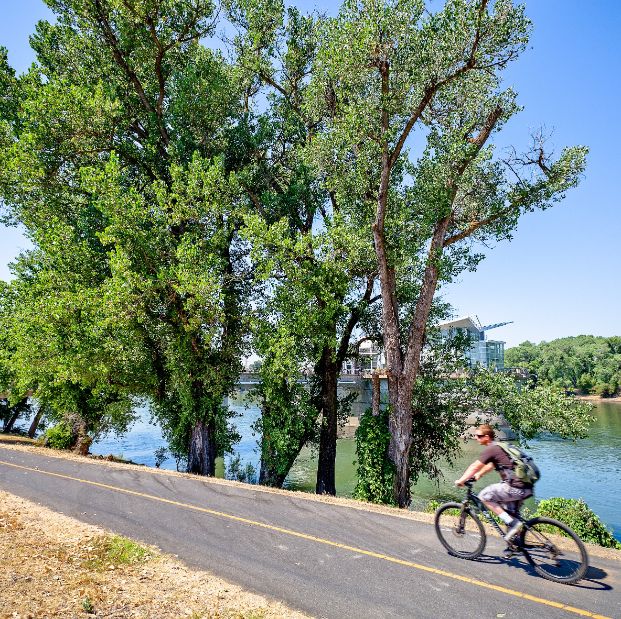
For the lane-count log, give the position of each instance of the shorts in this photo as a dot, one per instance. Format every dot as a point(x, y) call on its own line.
point(503, 493)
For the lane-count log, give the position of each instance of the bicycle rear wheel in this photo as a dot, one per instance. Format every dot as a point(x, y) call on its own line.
point(460, 531)
point(554, 550)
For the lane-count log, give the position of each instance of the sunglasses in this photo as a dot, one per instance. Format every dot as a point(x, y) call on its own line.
point(480, 435)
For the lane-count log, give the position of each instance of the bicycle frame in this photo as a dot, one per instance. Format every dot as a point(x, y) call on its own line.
point(473, 501)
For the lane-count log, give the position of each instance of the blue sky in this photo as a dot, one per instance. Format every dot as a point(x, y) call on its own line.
point(560, 274)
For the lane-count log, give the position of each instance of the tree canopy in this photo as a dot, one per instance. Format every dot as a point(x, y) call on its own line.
point(585, 363)
point(118, 157)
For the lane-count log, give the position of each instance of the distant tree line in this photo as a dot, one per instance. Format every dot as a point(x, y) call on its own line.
point(311, 181)
point(585, 364)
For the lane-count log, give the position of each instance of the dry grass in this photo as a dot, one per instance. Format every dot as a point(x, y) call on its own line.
point(55, 566)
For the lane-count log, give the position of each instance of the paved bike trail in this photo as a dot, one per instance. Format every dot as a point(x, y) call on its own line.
point(326, 559)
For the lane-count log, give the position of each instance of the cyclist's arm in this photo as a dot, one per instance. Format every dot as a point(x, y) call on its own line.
point(485, 470)
point(471, 471)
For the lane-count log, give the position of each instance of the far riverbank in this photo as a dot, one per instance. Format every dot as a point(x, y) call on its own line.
point(598, 399)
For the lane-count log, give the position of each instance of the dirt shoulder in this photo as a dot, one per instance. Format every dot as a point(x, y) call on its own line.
point(55, 566)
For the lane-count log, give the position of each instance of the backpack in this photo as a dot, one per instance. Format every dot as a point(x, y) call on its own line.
point(524, 467)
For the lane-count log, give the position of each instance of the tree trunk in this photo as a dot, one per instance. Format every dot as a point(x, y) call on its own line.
point(326, 474)
point(269, 477)
point(35, 422)
point(400, 426)
point(402, 369)
point(80, 440)
point(202, 450)
point(15, 411)
point(8, 426)
point(83, 444)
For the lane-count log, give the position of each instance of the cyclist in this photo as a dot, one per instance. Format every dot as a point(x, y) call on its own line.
point(510, 491)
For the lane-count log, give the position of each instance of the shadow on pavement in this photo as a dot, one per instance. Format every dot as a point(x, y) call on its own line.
point(592, 579)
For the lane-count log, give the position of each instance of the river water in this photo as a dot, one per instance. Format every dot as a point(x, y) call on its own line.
point(589, 468)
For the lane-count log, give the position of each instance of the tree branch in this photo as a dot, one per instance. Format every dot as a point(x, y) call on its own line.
point(431, 90)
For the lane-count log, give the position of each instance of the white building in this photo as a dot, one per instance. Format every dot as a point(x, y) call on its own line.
point(482, 352)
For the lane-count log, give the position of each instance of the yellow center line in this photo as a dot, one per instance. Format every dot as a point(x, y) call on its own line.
point(319, 540)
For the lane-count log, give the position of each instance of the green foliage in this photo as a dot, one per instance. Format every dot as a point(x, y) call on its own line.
point(433, 504)
point(177, 199)
point(161, 455)
point(387, 74)
point(59, 436)
point(236, 471)
point(576, 514)
point(441, 408)
point(123, 551)
point(313, 257)
point(288, 416)
point(585, 363)
point(530, 410)
point(375, 471)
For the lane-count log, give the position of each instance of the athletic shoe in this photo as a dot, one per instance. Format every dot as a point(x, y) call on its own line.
point(514, 529)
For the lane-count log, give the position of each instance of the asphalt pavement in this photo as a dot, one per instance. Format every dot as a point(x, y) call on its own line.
point(328, 560)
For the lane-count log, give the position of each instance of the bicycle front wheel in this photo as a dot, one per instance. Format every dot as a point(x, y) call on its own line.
point(460, 530)
point(554, 550)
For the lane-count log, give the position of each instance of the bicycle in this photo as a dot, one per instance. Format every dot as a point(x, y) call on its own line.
point(551, 547)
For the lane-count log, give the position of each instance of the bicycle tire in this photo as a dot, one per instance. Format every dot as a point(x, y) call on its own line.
point(554, 550)
point(463, 529)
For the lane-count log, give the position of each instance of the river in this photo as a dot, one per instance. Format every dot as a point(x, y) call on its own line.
point(589, 468)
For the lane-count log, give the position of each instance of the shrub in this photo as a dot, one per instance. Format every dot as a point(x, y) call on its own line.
point(585, 383)
point(576, 514)
point(161, 455)
point(58, 436)
point(236, 471)
point(604, 390)
point(375, 471)
point(441, 498)
point(87, 606)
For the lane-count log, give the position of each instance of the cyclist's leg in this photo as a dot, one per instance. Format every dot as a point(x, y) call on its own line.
point(513, 507)
point(496, 496)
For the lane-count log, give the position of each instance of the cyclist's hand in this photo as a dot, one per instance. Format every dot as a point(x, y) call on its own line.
point(459, 482)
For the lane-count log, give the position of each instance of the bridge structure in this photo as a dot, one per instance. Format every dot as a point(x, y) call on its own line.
point(360, 383)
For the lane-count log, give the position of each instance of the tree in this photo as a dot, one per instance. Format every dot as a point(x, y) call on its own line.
point(61, 351)
point(445, 397)
point(315, 273)
point(395, 72)
point(120, 164)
